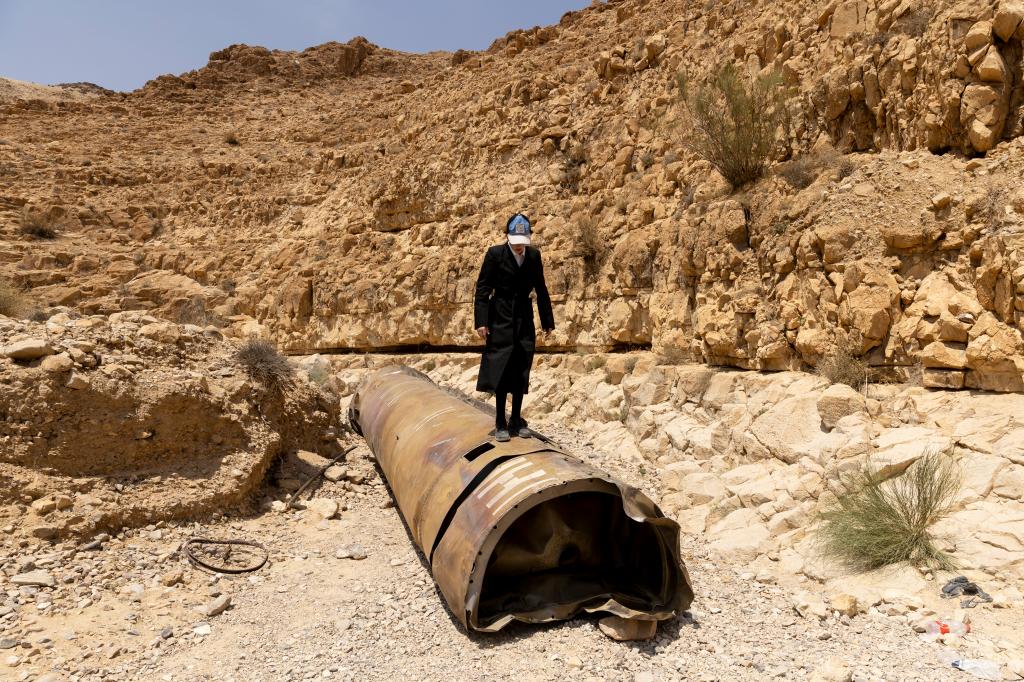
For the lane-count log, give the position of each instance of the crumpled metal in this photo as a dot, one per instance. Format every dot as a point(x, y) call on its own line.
point(520, 530)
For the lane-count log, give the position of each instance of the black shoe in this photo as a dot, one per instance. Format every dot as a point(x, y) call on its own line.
point(502, 436)
point(521, 429)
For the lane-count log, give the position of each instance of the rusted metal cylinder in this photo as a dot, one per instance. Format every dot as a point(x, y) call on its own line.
point(518, 530)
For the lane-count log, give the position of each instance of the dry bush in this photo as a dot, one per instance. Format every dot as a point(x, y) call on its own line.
point(231, 137)
point(12, 302)
point(735, 120)
point(994, 206)
point(193, 311)
point(573, 166)
point(801, 172)
point(263, 363)
point(841, 366)
point(586, 240)
point(845, 168)
point(37, 224)
point(915, 23)
point(880, 39)
point(875, 522)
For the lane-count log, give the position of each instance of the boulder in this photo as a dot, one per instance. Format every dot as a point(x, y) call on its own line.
point(995, 354)
point(1009, 19)
point(810, 606)
point(322, 508)
point(849, 17)
point(944, 355)
point(901, 447)
point(217, 606)
point(1009, 483)
point(838, 401)
point(57, 364)
point(38, 578)
point(845, 604)
point(740, 537)
point(942, 378)
point(983, 111)
point(27, 349)
point(741, 545)
point(993, 69)
point(162, 332)
point(978, 36)
point(702, 488)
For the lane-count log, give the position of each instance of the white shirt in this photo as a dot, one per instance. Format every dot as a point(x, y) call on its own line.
point(519, 259)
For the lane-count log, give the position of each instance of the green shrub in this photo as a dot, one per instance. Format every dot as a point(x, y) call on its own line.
point(734, 122)
point(263, 363)
point(875, 522)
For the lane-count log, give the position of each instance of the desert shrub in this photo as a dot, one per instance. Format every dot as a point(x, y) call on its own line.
point(37, 224)
point(841, 366)
point(689, 194)
point(586, 241)
point(875, 522)
point(915, 23)
point(193, 311)
point(800, 172)
point(880, 39)
point(993, 209)
point(263, 363)
point(231, 137)
point(12, 302)
point(574, 166)
point(734, 122)
point(845, 168)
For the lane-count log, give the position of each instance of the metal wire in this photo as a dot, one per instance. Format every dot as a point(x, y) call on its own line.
point(190, 554)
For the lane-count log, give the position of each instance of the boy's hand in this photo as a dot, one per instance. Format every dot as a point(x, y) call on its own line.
point(483, 332)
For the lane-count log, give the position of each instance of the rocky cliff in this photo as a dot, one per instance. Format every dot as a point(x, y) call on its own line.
point(339, 199)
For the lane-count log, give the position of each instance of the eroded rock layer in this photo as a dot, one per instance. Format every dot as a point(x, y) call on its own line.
point(126, 420)
point(340, 198)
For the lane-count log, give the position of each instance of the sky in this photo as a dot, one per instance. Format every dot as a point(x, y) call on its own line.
point(121, 44)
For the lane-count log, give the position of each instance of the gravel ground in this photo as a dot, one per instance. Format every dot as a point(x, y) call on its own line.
point(311, 615)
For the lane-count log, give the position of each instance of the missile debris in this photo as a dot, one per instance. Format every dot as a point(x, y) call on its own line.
point(519, 530)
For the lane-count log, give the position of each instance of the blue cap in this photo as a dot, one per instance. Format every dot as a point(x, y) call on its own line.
point(519, 229)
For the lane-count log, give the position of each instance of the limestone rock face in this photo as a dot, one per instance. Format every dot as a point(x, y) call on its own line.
point(349, 209)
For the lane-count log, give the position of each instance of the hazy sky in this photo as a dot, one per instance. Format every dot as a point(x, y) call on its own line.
point(120, 44)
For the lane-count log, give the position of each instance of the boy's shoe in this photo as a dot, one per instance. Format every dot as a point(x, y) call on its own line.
point(502, 436)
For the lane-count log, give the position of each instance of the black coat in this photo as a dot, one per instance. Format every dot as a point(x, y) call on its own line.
point(503, 305)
